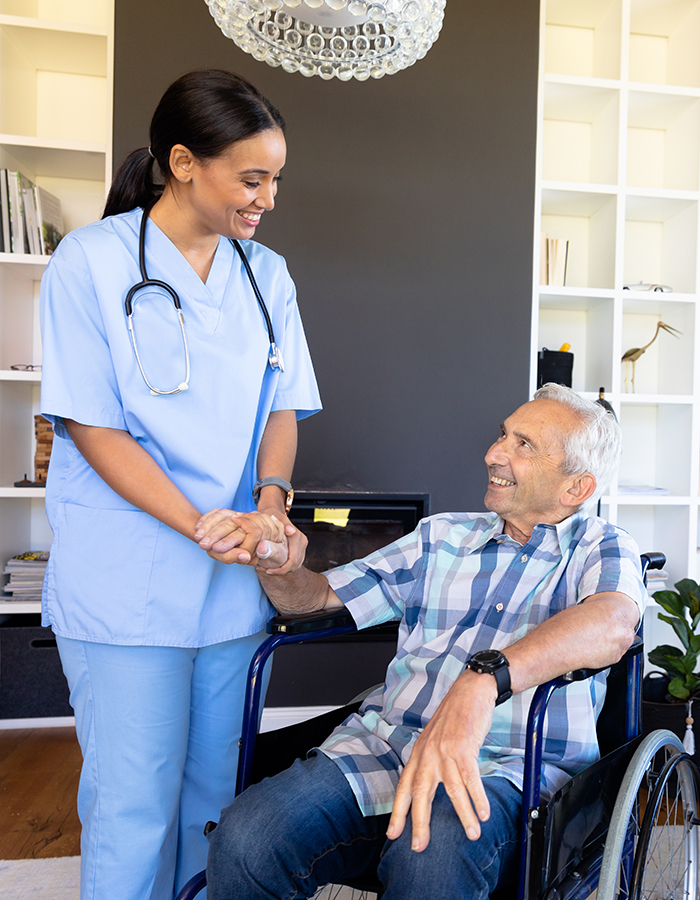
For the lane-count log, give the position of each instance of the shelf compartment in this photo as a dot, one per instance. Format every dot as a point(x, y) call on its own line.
point(583, 39)
point(49, 77)
point(580, 133)
point(663, 528)
point(95, 14)
point(55, 159)
point(663, 141)
point(656, 448)
point(585, 322)
point(587, 220)
point(664, 41)
point(667, 366)
point(661, 241)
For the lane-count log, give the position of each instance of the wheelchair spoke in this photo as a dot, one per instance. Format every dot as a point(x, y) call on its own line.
point(671, 848)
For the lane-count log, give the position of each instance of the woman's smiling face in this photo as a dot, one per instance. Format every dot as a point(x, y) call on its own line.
point(227, 195)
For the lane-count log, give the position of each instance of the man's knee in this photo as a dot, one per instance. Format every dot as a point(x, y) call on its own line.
point(469, 869)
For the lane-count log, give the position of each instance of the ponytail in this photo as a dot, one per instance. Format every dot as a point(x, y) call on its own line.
point(133, 184)
point(206, 111)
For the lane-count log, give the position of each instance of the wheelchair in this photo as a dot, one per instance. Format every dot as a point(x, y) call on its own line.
point(627, 827)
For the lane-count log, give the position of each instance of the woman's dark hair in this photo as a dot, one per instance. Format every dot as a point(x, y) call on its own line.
point(207, 111)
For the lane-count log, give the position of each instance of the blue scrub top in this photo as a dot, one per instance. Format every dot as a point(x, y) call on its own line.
point(115, 574)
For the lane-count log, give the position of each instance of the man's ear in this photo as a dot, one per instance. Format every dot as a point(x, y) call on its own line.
point(181, 162)
point(582, 489)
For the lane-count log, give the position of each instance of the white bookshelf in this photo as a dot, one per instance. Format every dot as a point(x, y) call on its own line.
point(56, 63)
point(619, 177)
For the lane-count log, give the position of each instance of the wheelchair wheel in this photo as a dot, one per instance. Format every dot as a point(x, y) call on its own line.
point(651, 851)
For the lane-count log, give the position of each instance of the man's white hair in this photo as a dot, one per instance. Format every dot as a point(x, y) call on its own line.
point(596, 446)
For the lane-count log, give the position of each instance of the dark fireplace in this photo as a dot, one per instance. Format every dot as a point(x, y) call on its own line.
point(342, 526)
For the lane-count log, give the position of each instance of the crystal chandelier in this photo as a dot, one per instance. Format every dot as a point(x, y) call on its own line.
point(332, 38)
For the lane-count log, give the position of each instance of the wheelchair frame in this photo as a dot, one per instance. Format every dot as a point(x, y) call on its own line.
point(608, 860)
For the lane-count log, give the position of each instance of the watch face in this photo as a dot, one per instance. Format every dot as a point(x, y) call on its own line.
point(488, 657)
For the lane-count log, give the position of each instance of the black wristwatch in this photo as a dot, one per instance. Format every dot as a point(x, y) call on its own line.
point(493, 662)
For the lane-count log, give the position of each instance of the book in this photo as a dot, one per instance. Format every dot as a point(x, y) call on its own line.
point(16, 219)
point(557, 261)
point(50, 219)
point(31, 224)
point(5, 213)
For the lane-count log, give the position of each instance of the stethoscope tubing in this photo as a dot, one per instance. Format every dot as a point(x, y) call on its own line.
point(274, 355)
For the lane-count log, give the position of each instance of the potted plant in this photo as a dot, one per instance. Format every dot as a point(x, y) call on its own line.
point(680, 685)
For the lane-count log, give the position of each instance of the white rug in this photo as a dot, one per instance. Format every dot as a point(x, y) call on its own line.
point(40, 879)
point(59, 879)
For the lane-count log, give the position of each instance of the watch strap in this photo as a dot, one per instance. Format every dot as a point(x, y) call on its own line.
point(502, 676)
point(278, 482)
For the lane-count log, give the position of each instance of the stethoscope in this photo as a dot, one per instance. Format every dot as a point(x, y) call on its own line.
point(274, 356)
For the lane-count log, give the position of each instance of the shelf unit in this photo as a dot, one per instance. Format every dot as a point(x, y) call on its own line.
point(618, 176)
point(56, 64)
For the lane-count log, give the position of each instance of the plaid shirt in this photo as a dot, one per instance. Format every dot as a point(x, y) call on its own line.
point(459, 584)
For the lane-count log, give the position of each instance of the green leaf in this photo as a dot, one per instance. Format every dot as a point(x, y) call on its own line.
point(678, 689)
point(671, 602)
point(690, 594)
point(680, 627)
point(668, 658)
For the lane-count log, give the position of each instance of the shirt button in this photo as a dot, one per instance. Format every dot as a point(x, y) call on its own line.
point(523, 558)
point(499, 607)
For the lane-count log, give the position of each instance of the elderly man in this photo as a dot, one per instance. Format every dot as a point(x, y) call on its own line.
point(424, 781)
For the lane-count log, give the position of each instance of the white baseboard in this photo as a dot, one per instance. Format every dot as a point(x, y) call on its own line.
point(47, 722)
point(274, 717)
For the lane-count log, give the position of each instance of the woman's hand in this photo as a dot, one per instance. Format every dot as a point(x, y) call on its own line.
point(233, 537)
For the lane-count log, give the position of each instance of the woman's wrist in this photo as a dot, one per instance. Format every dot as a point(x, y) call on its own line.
point(272, 498)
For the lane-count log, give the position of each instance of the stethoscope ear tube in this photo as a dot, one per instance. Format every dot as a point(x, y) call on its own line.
point(274, 356)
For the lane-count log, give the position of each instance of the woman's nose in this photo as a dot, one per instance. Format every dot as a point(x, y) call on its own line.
point(266, 197)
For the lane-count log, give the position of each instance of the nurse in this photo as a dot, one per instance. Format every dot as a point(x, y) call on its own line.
point(155, 632)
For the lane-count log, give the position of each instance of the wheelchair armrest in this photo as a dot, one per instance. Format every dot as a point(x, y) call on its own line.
point(308, 623)
point(634, 649)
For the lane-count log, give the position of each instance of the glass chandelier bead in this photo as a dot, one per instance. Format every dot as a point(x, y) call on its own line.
point(314, 37)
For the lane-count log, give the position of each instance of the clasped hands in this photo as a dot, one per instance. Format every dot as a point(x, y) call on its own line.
point(265, 539)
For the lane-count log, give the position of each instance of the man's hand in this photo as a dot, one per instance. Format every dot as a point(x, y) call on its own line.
point(447, 752)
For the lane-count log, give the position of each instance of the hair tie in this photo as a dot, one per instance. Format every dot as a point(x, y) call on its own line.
point(150, 152)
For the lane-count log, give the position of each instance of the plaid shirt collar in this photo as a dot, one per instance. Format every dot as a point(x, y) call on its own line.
point(562, 532)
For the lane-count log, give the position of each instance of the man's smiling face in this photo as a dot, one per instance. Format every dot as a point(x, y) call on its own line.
point(526, 482)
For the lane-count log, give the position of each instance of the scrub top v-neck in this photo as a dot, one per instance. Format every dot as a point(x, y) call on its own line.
point(116, 574)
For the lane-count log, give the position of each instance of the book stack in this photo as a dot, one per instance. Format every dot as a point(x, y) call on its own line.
point(30, 217)
point(26, 575)
point(43, 431)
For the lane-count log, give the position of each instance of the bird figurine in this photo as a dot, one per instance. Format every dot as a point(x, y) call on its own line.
point(631, 356)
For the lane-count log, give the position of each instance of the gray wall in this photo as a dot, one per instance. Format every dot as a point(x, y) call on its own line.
point(406, 218)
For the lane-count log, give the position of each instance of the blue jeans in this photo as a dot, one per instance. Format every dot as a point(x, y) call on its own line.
point(289, 835)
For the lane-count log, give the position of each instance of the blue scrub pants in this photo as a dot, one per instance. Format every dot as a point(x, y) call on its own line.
point(159, 729)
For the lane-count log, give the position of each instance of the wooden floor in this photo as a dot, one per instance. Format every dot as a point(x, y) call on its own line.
point(39, 770)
